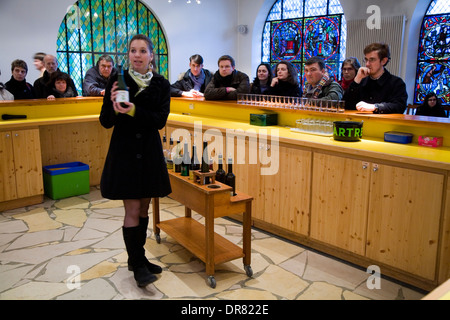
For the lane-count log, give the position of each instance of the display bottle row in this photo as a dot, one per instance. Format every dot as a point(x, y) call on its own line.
point(179, 160)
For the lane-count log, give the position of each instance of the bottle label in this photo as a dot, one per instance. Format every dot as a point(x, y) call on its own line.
point(122, 96)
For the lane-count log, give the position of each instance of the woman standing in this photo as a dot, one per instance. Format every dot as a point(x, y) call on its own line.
point(286, 81)
point(135, 170)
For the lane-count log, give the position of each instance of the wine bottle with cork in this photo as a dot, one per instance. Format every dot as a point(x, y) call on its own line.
point(122, 89)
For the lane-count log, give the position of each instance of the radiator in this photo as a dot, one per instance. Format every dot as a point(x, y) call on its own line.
point(391, 32)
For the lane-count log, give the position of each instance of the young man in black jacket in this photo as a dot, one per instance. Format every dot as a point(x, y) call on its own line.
point(192, 83)
point(374, 89)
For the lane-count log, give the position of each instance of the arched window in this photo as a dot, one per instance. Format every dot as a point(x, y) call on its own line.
point(433, 67)
point(296, 30)
point(92, 28)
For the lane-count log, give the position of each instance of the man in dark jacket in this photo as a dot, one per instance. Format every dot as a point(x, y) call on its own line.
point(18, 85)
point(97, 77)
point(227, 81)
point(374, 89)
point(42, 85)
point(192, 83)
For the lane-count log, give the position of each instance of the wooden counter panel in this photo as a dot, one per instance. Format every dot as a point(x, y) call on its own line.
point(87, 142)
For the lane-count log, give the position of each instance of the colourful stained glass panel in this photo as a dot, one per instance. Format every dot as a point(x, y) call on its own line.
point(142, 19)
point(95, 27)
point(98, 39)
point(322, 37)
point(435, 38)
point(85, 25)
point(307, 29)
point(121, 26)
point(433, 67)
point(131, 18)
point(433, 77)
point(109, 26)
point(286, 40)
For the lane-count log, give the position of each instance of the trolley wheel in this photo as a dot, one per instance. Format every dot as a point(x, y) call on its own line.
point(211, 281)
point(248, 271)
point(158, 238)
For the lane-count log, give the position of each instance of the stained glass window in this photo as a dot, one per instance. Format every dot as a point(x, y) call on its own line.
point(296, 30)
point(92, 28)
point(433, 66)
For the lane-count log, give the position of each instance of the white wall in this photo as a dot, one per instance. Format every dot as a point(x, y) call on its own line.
point(209, 29)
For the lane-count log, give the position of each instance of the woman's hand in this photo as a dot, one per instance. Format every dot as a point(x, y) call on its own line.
point(274, 82)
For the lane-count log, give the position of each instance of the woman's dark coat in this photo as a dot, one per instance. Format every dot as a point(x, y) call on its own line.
point(135, 166)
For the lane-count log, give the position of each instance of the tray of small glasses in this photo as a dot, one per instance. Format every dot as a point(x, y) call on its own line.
point(314, 126)
point(313, 133)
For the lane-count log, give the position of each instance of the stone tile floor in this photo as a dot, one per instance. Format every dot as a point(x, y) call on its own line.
point(72, 249)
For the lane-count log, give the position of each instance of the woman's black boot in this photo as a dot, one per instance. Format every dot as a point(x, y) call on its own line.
point(143, 225)
point(136, 256)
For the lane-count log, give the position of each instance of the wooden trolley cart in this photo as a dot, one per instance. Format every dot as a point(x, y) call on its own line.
point(211, 201)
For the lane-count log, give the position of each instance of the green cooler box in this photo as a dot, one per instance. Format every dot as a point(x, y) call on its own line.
point(66, 180)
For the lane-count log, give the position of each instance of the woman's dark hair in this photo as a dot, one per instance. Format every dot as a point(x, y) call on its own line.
point(58, 75)
point(142, 37)
point(292, 78)
point(428, 96)
point(196, 58)
point(269, 69)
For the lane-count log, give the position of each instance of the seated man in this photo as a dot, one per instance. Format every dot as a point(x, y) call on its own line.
point(374, 89)
point(18, 85)
point(227, 81)
point(318, 84)
point(42, 86)
point(192, 83)
point(97, 77)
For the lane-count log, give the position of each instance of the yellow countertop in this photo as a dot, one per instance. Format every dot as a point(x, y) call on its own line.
point(230, 115)
point(372, 147)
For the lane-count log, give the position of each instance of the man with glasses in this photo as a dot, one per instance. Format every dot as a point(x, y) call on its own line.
point(97, 77)
point(374, 88)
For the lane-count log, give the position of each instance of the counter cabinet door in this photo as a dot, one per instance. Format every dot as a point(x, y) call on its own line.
point(339, 202)
point(28, 162)
point(404, 218)
point(8, 189)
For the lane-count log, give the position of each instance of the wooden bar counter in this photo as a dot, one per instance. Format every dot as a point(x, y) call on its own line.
point(211, 201)
point(368, 202)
